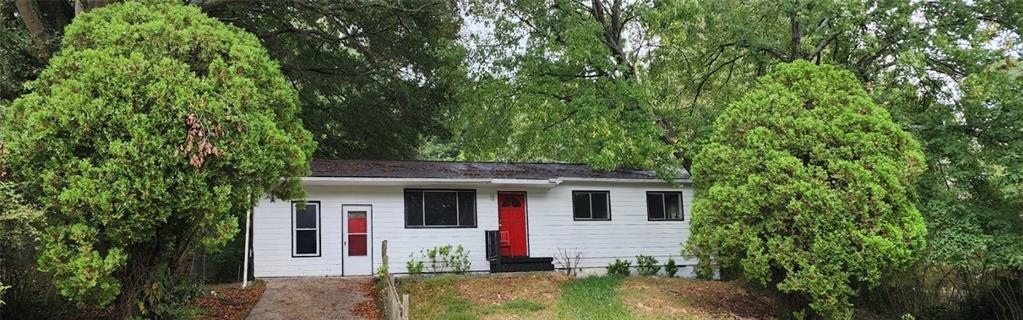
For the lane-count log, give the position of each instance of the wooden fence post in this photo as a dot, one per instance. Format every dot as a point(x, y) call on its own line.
point(383, 252)
point(404, 307)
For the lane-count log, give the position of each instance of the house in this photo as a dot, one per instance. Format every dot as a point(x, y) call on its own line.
point(509, 216)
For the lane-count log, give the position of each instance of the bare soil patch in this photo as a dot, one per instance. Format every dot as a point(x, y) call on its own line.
point(503, 288)
point(673, 298)
point(229, 301)
point(312, 298)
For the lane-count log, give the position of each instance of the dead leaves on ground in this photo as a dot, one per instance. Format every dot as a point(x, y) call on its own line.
point(229, 302)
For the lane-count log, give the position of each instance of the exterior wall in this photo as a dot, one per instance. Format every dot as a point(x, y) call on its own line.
point(549, 219)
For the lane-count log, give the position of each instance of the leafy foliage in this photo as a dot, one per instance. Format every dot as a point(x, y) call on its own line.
point(647, 266)
point(19, 222)
point(559, 81)
point(19, 231)
point(441, 259)
point(973, 194)
point(818, 194)
point(619, 268)
point(374, 78)
point(670, 268)
point(970, 198)
point(414, 266)
point(147, 134)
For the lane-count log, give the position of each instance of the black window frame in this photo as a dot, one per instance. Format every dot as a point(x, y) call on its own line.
point(607, 195)
point(319, 230)
point(664, 207)
point(475, 209)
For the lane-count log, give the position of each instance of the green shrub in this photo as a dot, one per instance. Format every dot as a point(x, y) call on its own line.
point(619, 268)
point(647, 266)
point(414, 267)
point(671, 268)
point(446, 258)
point(816, 199)
point(146, 136)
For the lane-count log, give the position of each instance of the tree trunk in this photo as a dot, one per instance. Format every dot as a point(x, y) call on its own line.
point(30, 15)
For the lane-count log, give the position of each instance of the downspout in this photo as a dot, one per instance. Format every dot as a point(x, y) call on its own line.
point(245, 255)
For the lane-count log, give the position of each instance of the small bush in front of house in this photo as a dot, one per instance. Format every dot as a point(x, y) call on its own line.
point(671, 268)
point(458, 261)
point(619, 268)
point(647, 265)
point(442, 259)
point(414, 267)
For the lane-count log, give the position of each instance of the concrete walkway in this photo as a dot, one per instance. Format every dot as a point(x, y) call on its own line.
point(310, 298)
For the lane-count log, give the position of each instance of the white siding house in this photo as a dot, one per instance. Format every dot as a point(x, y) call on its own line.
point(563, 209)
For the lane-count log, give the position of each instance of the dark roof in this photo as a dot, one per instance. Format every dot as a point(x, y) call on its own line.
point(456, 170)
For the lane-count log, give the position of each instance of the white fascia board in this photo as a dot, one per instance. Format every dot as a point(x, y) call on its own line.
point(356, 181)
point(343, 181)
point(619, 180)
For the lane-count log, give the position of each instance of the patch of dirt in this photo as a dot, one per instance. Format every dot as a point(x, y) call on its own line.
point(687, 298)
point(498, 289)
point(229, 301)
point(368, 309)
point(311, 298)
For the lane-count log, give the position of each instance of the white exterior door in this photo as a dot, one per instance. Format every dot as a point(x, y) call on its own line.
point(357, 241)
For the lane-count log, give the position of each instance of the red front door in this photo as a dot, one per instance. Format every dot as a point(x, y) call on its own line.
point(512, 223)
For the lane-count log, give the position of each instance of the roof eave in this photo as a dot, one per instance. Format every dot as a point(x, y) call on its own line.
point(361, 181)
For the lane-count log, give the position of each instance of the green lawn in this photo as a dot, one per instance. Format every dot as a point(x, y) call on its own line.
point(555, 296)
point(591, 298)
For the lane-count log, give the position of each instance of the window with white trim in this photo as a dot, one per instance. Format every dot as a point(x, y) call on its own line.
point(664, 206)
point(440, 208)
point(591, 205)
point(305, 229)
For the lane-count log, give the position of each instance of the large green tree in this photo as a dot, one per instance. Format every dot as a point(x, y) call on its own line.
point(562, 81)
point(375, 78)
point(545, 69)
point(973, 196)
point(552, 74)
point(816, 198)
point(151, 129)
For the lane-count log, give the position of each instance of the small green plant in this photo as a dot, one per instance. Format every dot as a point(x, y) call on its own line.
point(2, 289)
point(382, 271)
point(619, 268)
point(671, 268)
point(647, 266)
point(442, 259)
point(414, 267)
point(459, 261)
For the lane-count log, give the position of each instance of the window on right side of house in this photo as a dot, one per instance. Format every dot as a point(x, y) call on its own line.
point(664, 206)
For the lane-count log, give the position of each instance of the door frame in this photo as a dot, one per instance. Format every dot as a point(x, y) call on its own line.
point(344, 235)
point(525, 212)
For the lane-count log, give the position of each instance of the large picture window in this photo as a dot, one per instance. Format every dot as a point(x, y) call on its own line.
point(305, 229)
point(664, 206)
point(591, 205)
point(440, 208)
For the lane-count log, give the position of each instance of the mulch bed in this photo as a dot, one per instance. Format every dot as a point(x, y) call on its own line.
point(229, 301)
point(369, 309)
